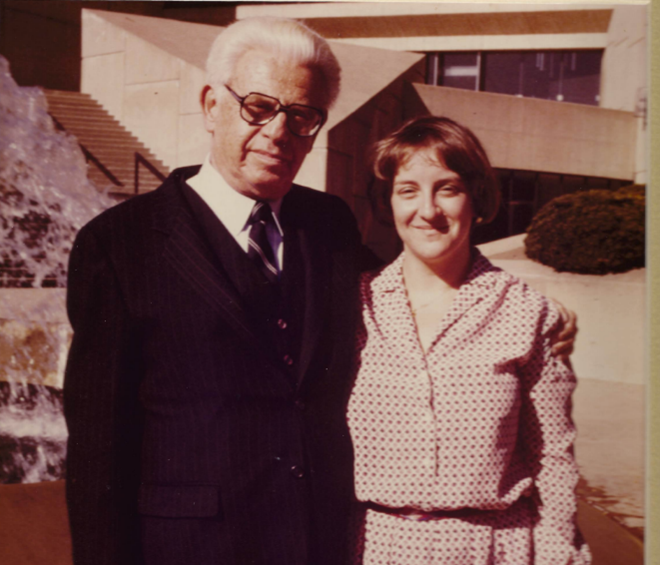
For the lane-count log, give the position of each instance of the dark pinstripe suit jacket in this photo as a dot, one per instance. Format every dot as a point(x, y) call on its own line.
point(189, 443)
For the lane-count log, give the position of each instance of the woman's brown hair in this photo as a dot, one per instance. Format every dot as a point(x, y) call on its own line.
point(455, 146)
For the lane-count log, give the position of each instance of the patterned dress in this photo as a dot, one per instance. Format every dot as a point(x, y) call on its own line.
point(481, 421)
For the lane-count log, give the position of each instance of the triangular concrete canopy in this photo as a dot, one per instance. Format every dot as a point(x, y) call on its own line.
point(188, 41)
point(534, 134)
point(365, 70)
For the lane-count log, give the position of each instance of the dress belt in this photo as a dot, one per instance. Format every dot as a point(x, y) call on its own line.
point(422, 516)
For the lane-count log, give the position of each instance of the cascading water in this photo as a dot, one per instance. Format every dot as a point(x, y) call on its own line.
point(45, 197)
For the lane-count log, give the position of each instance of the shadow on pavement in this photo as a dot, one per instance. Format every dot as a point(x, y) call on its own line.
point(34, 529)
point(610, 543)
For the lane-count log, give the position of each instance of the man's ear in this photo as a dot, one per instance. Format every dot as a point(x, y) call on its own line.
point(209, 107)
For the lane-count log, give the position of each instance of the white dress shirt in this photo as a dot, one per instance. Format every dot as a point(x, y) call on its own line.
point(233, 209)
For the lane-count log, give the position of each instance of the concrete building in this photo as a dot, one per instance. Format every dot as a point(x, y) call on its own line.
point(557, 93)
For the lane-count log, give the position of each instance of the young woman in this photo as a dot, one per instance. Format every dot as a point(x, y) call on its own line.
point(460, 414)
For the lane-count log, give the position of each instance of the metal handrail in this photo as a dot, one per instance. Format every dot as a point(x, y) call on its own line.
point(140, 159)
point(89, 156)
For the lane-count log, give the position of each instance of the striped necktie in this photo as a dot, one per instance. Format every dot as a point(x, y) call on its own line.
point(259, 248)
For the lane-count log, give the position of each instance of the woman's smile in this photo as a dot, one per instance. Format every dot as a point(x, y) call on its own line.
point(432, 209)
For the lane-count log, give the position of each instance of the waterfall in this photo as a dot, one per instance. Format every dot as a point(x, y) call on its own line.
point(45, 197)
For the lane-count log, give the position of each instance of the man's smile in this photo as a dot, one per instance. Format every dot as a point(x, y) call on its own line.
point(271, 156)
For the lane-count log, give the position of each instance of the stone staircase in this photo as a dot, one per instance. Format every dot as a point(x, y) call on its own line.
point(112, 152)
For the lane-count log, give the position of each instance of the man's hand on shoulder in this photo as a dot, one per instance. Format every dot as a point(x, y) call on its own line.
point(563, 340)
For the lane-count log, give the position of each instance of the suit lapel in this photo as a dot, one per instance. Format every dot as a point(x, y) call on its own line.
point(317, 275)
point(189, 253)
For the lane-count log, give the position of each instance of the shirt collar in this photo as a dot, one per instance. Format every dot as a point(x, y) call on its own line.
point(390, 277)
point(230, 206)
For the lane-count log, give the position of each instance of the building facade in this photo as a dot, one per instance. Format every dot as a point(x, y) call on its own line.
point(557, 92)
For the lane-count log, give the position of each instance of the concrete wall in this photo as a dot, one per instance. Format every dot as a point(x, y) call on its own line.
point(42, 40)
point(152, 93)
point(624, 80)
point(538, 135)
point(309, 10)
point(150, 80)
point(624, 66)
point(611, 312)
point(620, 30)
point(464, 26)
point(349, 172)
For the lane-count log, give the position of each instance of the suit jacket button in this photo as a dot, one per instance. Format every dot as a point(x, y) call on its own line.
point(297, 471)
point(288, 360)
point(281, 324)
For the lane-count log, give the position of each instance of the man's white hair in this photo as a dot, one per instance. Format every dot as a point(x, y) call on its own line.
point(286, 39)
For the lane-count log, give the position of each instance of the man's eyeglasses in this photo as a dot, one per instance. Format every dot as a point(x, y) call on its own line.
point(259, 109)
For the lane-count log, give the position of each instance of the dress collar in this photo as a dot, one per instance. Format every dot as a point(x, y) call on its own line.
point(390, 278)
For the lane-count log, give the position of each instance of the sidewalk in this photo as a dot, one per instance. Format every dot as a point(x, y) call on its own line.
point(609, 402)
point(610, 543)
point(34, 529)
point(610, 449)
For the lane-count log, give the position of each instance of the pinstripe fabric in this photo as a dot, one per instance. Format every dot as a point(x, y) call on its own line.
point(266, 304)
point(188, 435)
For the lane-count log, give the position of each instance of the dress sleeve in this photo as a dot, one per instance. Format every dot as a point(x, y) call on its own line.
point(101, 410)
point(549, 434)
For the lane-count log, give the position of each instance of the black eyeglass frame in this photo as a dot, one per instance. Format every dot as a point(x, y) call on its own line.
point(280, 108)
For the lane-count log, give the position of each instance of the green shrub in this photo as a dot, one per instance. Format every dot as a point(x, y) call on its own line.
point(591, 232)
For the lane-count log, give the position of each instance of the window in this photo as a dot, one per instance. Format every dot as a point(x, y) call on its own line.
point(564, 76)
point(461, 70)
point(524, 193)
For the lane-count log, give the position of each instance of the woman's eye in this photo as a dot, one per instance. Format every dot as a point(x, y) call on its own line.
point(404, 190)
point(450, 189)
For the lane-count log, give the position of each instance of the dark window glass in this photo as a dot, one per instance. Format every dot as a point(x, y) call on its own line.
point(571, 183)
point(568, 76)
point(594, 182)
point(536, 80)
point(502, 73)
point(467, 83)
point(550, 187)
point(520, 216)
point(460, 70)
point(564, 76)
point(523, 187)
point(582, 77)
point(460, 59)
point(524, 193)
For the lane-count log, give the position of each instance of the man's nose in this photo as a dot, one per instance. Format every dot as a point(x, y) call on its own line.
point(277, 129)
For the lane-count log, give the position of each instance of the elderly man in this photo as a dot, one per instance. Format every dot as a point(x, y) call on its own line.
point(213, 320)
point(213, 324)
